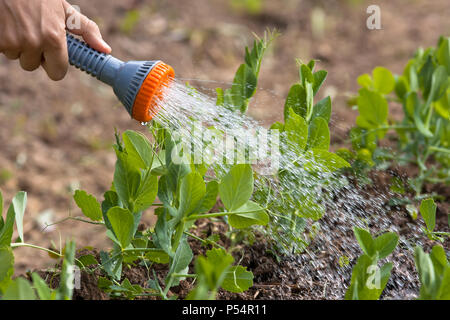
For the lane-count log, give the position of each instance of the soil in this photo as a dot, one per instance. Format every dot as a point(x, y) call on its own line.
point(57, 136)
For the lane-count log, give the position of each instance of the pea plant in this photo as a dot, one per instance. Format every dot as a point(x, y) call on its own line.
point(368, 279)
point(305, 136)
point(21, 288)
point(434, 273)
point(423, 135)
point(184, 197)
point(428, 212)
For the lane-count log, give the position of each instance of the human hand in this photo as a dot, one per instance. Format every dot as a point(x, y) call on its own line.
point(34, 31)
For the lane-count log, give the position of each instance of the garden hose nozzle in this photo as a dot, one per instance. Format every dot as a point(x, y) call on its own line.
point(137, 84)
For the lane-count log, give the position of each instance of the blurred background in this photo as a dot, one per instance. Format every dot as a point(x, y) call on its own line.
point(56, 137)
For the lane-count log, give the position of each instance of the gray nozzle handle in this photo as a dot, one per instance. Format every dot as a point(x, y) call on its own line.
point(102, 66)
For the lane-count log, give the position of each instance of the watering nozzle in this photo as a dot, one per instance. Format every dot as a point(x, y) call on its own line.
point(137, 84)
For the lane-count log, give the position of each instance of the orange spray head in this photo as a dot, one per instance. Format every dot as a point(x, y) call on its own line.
point(138, 84)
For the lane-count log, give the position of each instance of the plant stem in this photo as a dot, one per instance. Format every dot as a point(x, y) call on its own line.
point(74, 218)
point(143, 250)
point(202, 240)
point(22, 244)
point(218, 214)
point(438, 149)
point(181, 275)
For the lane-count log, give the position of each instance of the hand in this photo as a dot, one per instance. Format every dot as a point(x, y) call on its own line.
point(34, 31)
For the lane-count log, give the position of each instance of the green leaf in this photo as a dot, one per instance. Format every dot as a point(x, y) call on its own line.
point(439, 259)
point(181, 259)
point(175, 163)
point(325, 161)
point(383, 80)
point(236, 187)
point(122, 222)
point(322, 109)
point(213, 267)
point(66, 283)
point(192, 191)
point(157, 257)
point(243, 87)
point(305, 74)
point(318, 134)
point(368, 281)
point(319, 78)
point(19, 203)
point(373, 109)
point(443, 53)
point(427, 275)
point(19, 289)
point(365, 81)
point(365, 241)
point(126, 179)
point(252, 214)
point(401, 87)
point(362, 138)
point(147, 191)
point(113, 267)
point(413, 105)
point(43, 291)
point(385, 244)
point(86, 261)
point(88, 205)
point(162, 232)
point(296, 131)
point(444, 291)
point(111, 200)
point(210, 198)
point(439, 84)
point(296, 100)
point(8, 227)
point(6, 267)
point(309, 208)
point(238, 279)
point(428, 211)
point(220, 97)
point(138, 149)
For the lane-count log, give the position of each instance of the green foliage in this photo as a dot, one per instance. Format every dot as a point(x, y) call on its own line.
point(428, 211)
point(88, 205)
point(185, 197)
point(15, 213)
point(20, 288)
point(423, 90)
point(434, 273)
point(246, 78)
point(122, 222)
point(368, 280)
point(216, 271)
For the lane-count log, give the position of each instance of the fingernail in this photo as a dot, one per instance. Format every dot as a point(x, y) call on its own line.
point(107, 46)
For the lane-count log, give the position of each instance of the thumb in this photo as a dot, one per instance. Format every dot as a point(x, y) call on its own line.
point(81, 25)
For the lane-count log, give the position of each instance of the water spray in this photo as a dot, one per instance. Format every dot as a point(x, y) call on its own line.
point(137, 84)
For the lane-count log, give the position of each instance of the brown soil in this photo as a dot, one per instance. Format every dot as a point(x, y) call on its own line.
point(57, 136)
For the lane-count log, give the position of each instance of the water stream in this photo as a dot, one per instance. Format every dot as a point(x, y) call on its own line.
point(324, 250)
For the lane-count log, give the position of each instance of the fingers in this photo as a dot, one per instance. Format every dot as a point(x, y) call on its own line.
point(55, 60)
point(31, 60)
point(86, 28)
point(12, 54)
